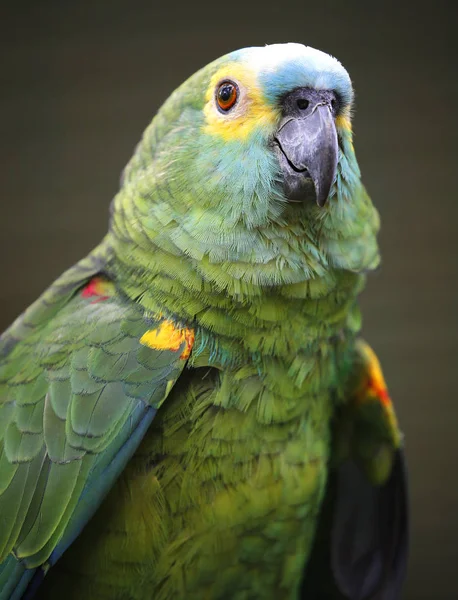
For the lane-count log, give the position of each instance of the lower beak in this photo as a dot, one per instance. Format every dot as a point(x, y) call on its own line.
point(309, 150)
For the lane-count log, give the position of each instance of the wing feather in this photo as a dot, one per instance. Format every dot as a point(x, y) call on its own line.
point(361, 546)
point(77, 393)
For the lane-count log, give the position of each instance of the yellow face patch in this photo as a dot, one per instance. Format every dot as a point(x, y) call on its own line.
point(343, 122)
point(249, 112)
point(169, 337)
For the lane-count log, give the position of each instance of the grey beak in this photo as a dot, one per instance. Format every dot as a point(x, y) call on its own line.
point(310, 151)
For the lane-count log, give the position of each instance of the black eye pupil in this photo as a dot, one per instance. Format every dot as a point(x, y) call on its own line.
point(225, 92)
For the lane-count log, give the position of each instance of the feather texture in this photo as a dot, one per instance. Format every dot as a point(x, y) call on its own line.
point(69, 418)
point(208, 265)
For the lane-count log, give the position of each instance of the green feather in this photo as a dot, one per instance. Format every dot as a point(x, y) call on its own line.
point(205, 252)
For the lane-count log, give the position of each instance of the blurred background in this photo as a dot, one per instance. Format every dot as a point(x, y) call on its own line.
point(81, 80)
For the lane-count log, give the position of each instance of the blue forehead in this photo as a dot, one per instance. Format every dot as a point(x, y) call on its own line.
point(282, 68)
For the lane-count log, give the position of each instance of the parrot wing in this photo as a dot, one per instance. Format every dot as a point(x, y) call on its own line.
point(361, 545)
point(369, 537)
point(82, 374)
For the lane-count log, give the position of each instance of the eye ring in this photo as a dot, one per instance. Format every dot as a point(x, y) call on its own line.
point(226, 95)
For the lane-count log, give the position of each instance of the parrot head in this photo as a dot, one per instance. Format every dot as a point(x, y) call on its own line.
point(291, 99)
point(251, 162)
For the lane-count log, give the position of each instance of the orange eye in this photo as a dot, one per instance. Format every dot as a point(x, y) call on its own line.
point(226, 95)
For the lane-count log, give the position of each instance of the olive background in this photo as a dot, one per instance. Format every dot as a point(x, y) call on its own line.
point(79, 81)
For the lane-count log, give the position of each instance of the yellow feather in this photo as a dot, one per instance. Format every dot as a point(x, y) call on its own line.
point(249, 113)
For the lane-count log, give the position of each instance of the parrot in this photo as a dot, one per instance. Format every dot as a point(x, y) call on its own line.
point(189, 412)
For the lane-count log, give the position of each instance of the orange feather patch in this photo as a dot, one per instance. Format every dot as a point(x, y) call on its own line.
point(169, 337)
point(372, 387)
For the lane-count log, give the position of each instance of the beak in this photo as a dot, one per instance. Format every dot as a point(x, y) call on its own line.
point(308, 150)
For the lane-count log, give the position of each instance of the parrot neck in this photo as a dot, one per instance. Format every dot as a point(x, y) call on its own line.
point(229, 304)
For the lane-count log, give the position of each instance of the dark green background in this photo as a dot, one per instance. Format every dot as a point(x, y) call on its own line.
point(79, 83)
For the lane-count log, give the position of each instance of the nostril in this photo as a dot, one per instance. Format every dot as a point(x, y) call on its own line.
point(302, 103)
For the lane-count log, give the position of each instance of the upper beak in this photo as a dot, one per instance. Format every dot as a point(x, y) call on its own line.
point(310, 150)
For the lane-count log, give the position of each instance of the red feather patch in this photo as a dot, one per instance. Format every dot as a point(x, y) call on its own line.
point(99, 288)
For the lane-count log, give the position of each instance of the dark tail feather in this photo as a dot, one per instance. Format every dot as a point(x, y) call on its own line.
point(361, 547)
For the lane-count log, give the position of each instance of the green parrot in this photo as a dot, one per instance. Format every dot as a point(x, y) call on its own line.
point(188, 412)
